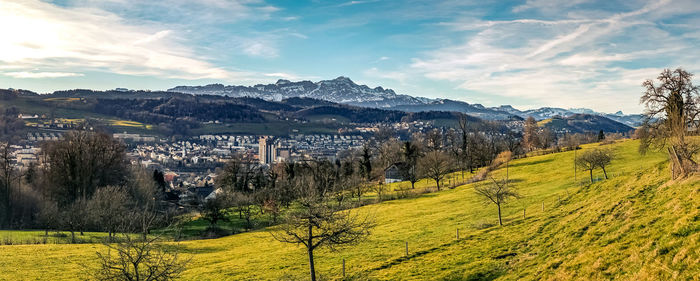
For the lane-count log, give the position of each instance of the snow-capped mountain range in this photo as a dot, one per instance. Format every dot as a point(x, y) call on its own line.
point(339, 90)
point(345, 91)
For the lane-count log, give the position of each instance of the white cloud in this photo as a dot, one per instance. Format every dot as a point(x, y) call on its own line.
point(576, 61)
point(24, 74)
point(61, 39)
point(259, 49)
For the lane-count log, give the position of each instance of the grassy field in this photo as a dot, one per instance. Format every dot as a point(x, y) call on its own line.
point(636, 225)
point(63, 99)
point(20, 237)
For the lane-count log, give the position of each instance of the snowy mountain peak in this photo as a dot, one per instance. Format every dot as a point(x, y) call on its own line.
point(340, 90)
point(282, 82)
point(343, 79)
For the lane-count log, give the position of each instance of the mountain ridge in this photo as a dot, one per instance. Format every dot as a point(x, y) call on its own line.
point(345, 91)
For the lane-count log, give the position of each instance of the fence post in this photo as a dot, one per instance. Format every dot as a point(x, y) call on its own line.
point(542, 206)
point(458, 233)
point(523, 213)
point(406, 248)
point(343, 268)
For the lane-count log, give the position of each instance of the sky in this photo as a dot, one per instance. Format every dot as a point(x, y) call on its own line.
point(529, 53)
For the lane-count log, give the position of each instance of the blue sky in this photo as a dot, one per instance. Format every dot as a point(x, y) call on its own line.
point(530, 53)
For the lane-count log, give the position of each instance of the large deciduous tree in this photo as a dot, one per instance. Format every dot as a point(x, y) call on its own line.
point(435, 165)
point(672, 108)
point(81, 162)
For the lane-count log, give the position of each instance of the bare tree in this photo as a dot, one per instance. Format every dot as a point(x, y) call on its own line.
point(318, 221)
point(591, 159)
point(411, 154)
point(8, 175)
point(389, 153)
point(498, 192)
point(672, 109)
point(602, 158)
point(214, 210)
point(49, 216)
point(107, 209)
point(435, 165)
point(138, 260)
point(244, 203)
point(531, 140)
point(74, 217)
point(434, 139)
point(83, 161)
point(585, 162)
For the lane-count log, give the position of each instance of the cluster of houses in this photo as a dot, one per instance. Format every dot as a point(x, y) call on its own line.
point(189, 164)
point(43, 136)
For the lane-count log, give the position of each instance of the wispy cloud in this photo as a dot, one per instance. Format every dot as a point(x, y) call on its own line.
point(547, 5)
point(599, 62)
point(356, 2)
point(25, 74)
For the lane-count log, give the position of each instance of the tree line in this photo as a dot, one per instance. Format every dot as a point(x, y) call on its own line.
point(83, 182)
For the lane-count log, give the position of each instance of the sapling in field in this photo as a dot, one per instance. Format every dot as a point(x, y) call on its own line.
point(497, 192)
point(317, 219)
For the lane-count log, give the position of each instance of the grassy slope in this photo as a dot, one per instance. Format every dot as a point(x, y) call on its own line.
point(632, 226)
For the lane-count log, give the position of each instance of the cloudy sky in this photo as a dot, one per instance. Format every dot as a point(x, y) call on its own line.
point(531, 53)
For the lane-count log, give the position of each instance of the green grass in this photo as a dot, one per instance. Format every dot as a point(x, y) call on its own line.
point(24, 237)
point(636, 225)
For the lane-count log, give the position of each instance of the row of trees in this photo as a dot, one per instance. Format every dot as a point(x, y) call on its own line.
point(83, 182)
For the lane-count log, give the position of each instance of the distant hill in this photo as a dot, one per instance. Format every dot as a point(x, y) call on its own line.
point(171, 113)
point(582, 123)
point(542, 113)
point(182, 113)
point(477, 110)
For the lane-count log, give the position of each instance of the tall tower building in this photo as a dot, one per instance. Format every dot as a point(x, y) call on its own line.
point(267, 152)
